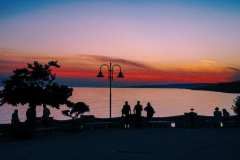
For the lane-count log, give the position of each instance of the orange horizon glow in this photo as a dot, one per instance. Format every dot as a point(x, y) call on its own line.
point(86, 67)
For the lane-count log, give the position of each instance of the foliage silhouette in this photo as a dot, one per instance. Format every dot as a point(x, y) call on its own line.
point(236, 106)
point(76, 109)
point(35, 85)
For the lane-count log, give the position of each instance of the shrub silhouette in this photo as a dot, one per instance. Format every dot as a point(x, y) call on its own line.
point(76, 109)
point(35, 85)
point(236, 106)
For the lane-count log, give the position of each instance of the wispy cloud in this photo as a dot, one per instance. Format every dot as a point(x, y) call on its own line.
point(70, 63)
point(105, 59)
point(234, 69)
point(236, 72)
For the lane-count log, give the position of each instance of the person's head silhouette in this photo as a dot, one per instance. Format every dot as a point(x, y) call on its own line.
point(126, 102)
point(138, 102)
point(216, 109)
point(148, 104)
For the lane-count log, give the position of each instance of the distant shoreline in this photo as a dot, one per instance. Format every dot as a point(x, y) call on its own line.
point(150, 87)
point(226, 87)
point(193, 89)
point(147, 87)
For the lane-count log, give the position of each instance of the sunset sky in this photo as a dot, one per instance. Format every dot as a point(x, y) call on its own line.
point(156, 41)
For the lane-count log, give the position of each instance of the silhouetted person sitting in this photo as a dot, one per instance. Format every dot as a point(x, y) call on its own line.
point(225, 114)
point(138, 113)
point(192, 113)
point(31, 117)
point(126, 112)
point(217, 116)
point(45, 116)
point(192, 118)
point(15, 122)
point(150, 111)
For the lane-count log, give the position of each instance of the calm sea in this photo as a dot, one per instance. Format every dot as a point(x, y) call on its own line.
point(167, 102)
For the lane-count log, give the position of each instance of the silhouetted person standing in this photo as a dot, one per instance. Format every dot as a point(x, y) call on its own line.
point(138, 113)
point(138, 109)
point(126, 112)
point(217, 116)
point(150, 111)
point(45, 116)
point(31, 117)
point(15, 123)
point(15, 119)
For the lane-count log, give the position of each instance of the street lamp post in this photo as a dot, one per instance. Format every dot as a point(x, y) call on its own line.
point(110, 67)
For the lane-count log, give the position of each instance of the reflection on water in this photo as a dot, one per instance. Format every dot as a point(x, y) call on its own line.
point(166, 102)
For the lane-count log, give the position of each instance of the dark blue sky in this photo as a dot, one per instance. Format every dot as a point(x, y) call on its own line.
point(16, 7)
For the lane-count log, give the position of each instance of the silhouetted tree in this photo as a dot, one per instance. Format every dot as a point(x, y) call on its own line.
point(236, 106)
point(76, 109)
point(34, 85)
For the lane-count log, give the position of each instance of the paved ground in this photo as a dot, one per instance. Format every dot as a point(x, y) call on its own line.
point(120, 144)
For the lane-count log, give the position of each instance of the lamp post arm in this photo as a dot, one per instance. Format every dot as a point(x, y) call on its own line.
point(116, 65)
point(120, 74)
point(104, 65)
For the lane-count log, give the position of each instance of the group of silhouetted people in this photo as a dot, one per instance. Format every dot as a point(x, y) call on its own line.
point(220, 116)
point(137, 113)
point(30, 118)
point(129, 116)
point(218, 119)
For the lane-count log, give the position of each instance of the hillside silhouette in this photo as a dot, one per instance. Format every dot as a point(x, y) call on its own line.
point(227, 87)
